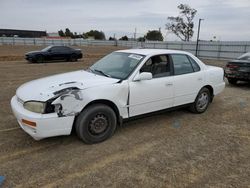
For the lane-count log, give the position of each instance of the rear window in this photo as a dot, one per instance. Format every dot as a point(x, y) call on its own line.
point(245, 56)
point(181, 64)
point(195, 65)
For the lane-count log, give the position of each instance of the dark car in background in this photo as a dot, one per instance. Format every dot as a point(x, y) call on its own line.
point(238, 69)
point(54, 53)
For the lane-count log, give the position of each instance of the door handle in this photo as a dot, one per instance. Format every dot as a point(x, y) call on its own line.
point(168, 84)
point(199, 79)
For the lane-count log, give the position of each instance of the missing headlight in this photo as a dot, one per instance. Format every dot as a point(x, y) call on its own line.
point(49, 108)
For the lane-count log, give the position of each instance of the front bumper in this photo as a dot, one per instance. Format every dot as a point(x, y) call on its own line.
point(47, 125)
point(28, 58)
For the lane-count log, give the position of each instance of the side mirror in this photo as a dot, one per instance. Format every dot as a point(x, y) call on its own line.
point(143, 76)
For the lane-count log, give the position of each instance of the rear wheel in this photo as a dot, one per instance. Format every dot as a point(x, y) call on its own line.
point(201, 102)
point(232, 81)
point(96, 123)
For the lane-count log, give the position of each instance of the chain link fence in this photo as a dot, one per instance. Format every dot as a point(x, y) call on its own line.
point(213, 50)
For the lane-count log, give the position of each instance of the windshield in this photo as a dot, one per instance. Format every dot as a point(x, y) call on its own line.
point(117, 65)
point(46, 49)
point(245, 56)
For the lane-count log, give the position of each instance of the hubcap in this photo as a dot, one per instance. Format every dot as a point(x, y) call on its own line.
point(202, 101)
point(98, 124)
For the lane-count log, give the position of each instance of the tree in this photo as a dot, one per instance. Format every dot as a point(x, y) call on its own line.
point(124, 38)
point(182, 25)
point(61, 33)
point(68, 33)
point(93, 33)
point(98, 35)
point(111, 38)
point(141, 39)
point(84, 36)
point(154, 35)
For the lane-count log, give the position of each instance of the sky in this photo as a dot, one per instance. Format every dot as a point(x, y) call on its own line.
point(223, 19)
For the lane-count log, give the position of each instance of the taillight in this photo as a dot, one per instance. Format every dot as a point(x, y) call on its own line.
point(230, 66)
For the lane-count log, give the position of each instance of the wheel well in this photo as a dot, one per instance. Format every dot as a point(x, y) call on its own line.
point(211, 90)
point(39, 56)
point(108, 103)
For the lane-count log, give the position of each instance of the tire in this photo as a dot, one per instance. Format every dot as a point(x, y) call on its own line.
point(232, 81)
point(201, 102)
point(73, 58)
point(39, 59)
point(32, 61)
point(96, 123)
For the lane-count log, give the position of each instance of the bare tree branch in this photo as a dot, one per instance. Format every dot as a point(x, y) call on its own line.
point(182, 25)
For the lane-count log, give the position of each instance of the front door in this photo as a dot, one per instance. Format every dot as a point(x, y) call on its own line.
point(56, 53)
point(152, 95)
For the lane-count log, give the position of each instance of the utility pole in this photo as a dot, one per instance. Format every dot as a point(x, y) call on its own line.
point(135, 34)
point(115, 41)
point(198, 36)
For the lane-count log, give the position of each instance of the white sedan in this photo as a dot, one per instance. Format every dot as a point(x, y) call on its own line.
point(122, 85)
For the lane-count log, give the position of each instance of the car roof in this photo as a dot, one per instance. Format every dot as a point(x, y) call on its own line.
point(58, 46)
point(152, 51)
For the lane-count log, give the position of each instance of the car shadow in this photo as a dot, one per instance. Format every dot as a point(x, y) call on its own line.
point(240, 84)
point(54, 61)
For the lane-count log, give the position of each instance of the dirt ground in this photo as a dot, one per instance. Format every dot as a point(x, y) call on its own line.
point(172, 149)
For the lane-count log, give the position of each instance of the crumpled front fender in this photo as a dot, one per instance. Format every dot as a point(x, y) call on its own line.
point(69, 103)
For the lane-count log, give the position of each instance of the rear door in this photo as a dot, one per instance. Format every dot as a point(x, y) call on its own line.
point(66, 52)
point(188, 79)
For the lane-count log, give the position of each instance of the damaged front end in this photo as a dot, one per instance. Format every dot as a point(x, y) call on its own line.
point(66, 102)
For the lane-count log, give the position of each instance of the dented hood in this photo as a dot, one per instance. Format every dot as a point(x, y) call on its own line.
point(43, 89)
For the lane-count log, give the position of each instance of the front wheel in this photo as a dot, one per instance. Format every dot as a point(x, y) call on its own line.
point(39, 59)
point(201, 102)
point(73, 58)
point(96, 123)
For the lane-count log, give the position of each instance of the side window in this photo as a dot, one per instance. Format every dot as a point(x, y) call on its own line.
point(181, 64)
point(55, 49)
point(195, 65)
point(158, 65)
point(63, 49)
point(66, 49)
point(60, 49)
